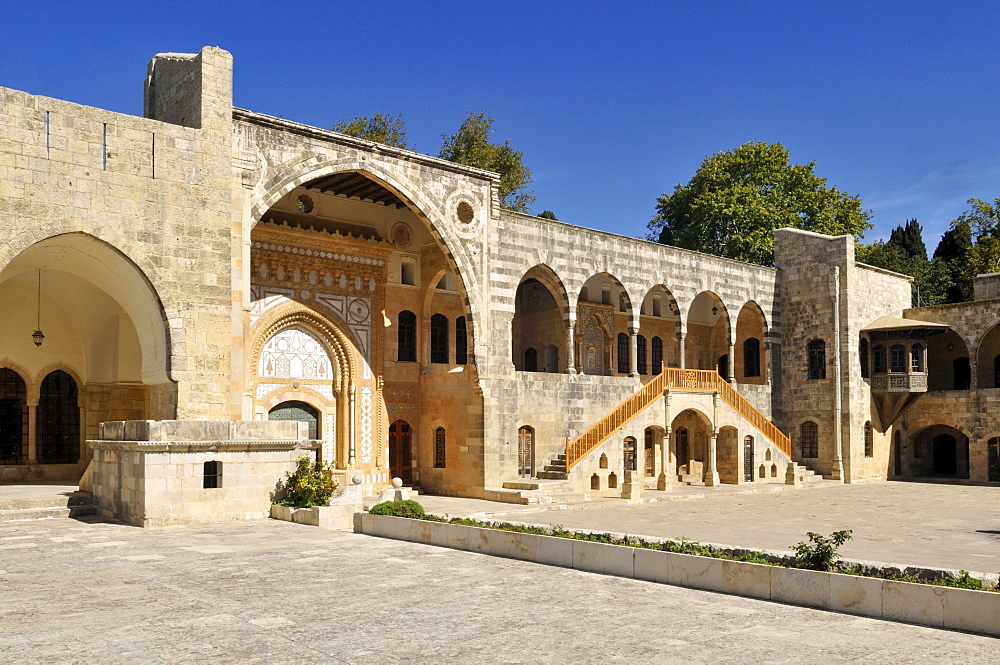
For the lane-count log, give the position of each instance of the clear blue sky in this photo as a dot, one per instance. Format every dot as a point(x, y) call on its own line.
point(613, 103)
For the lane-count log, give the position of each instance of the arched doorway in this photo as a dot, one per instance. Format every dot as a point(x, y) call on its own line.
point(298, 411)
point(748, 461)
point(13, 418)
point(540, 307)
point(401, 451)
point(58, 420)
point(629, 453)
point(526, 452)
point(649, 452)
point(706, 345)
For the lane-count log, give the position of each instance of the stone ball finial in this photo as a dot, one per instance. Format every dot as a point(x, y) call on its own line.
point(397, 482)
point(356, 480)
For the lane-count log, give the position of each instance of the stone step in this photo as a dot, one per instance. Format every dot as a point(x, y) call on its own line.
point(555, 467)
point(550, 486)
point(62, 501)
point(552, 475)
point(52, 512)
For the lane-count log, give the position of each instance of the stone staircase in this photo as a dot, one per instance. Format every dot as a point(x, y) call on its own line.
point(805, 475)
point(554, 470)
point(77, 504)
point(530, 491)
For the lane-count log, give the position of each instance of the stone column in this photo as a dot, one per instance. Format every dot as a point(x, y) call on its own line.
point(731, 370)
point(711, 471)
point(633, 356)
point(571, 348)
point(33, 429)
point(665, 465)
point(83, 434)
point(680, 345)
point(351, 455)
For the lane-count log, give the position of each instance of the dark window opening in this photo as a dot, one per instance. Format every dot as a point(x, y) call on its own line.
point(640, 353)
point(213, 475)
point(751, 357)
point(623, 353)
point(817, 359)
point(809, 439)
point(406, 337)
point(530, 360)
point(58, 420)
point(657, 355)
point(439, 338)
point(897, 358)
point(439, 448)
point(461, 342)
point(878, 359)
point(863, 357)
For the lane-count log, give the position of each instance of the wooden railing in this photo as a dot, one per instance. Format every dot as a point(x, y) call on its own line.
point(680, 379)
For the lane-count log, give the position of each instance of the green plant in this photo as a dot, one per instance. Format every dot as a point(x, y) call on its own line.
point(407, 508)
point(821, 552)
point(311, 484)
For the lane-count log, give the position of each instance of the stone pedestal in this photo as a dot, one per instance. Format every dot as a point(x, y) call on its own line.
point(792, 476)
point(632, 487)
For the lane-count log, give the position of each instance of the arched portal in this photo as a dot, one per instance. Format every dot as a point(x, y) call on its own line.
point(707, 339)
point(103, 326)
point(539, 322)
point(526, 451)
point(947, 360)
point(659, 324)
point(988, 359)
point(941, 450)
point(13, 418)
point(751, 330)
point(689, 444)
point(299, 412)
point(603, 312)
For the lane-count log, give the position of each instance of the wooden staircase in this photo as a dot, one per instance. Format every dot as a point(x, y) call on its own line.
point(676, 379)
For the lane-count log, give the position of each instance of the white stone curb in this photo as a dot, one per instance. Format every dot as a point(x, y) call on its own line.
point(922, 604)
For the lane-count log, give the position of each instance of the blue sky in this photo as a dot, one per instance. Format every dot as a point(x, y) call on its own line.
point(612, 103)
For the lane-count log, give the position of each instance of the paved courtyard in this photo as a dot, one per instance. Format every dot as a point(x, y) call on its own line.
point(931, 525)
point(274, 592)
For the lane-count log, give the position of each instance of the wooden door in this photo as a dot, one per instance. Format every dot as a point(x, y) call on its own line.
point(400, 451)
point(748, 459)
point(525, 452)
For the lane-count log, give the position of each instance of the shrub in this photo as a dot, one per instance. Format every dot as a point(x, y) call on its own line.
point(407, 508)
point(311, 484)
point(821, 554)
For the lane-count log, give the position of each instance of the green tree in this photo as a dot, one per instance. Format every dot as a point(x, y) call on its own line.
point(548, 214)
point(971, 247)
point(931, 279)
point(471, 145)
point(953, 252)
point(910, 239)
point(736, 199)
point(380, 128)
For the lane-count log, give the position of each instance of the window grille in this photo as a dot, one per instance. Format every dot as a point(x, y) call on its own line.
point(640, 353)
point(623, 353)
point(439, 338)
point(817, 359)
point(809, 439)
point(751, 357)
point(212, 475)
point(406, 337)
point(461, 342)
point(439, 448)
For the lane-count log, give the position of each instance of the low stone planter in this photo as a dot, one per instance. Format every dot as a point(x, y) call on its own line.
point(922, 604)
point(335, 518)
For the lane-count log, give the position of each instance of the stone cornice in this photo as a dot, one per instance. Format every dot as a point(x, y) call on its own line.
point(201, 446)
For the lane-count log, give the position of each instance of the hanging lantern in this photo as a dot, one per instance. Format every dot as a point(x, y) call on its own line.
point(37, 337)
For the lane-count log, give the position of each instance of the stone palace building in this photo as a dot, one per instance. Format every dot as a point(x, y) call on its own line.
point(224, 289)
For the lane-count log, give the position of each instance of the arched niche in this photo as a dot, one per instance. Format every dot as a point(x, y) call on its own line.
point(947, 361)
point(603, 308)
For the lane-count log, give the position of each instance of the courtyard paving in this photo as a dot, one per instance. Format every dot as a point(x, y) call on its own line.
point(275, 592)
point(906, 523)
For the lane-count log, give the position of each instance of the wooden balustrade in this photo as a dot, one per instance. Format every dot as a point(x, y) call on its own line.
point(680, 379)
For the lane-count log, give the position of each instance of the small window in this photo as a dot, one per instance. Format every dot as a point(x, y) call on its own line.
point(817, 359)
point(439, 338)
point(897, 358)
point(622, 353)
point(751, 357)
point(657, 307)
point(863, 357)
point(406, 337)
point(461, 342)
point(408, 272)
point(869, 440)
point(212, 475)
point(916, 358)
point(809, 439)
point(629, 453)
point(657, 355)
point(606, 295)
point(439, 448)
point(878, 359)
point(447, 282)
point(640, 353)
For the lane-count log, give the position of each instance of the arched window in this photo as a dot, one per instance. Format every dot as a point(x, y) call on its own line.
point(640, 353)
point(461, 342)
point(751, 357)
point(809, 439)
point(525, 451)
point(439, 338)
point(916, 358)
point(13, 418)
point(817, 359)
point(897, 358)
point(406, 337)
point(58, 420)
point(657, 354)
point(530, 360)
point(878, 359)
point(863, 357)
point(869, 440)
point(439, 448)
point(622, 353)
